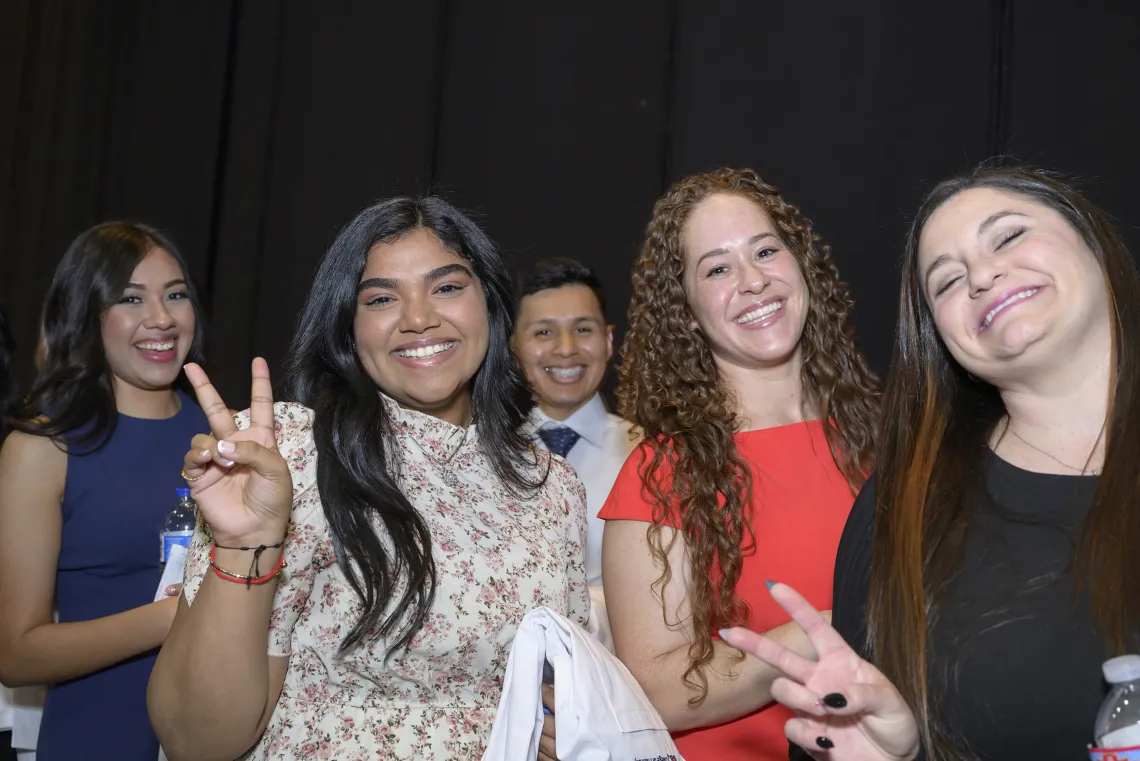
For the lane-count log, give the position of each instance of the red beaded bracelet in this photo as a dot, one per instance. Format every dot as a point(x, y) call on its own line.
point(247, 580)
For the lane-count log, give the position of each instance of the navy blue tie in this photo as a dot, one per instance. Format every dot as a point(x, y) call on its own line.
point(559, 439)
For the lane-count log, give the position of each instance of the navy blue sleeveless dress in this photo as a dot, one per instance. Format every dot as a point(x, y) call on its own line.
point(114, 504)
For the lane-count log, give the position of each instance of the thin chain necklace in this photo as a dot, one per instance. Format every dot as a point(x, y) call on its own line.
point(1082, 471)
point(446, 468)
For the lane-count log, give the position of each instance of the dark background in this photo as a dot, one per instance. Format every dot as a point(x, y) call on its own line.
point(252, 131)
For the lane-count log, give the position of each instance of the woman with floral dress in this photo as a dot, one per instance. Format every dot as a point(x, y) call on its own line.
point(363, 561)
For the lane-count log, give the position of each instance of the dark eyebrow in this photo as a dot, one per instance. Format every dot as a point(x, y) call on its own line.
point(377, 282)
point(428, 277)
point(718, 251)
point(447, 269)
point(171, 284)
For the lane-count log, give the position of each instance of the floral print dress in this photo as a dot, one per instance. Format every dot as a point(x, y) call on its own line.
point(497, 556)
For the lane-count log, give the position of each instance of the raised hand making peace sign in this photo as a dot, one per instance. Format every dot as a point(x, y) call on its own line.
point(847, 709)
point(238, 478)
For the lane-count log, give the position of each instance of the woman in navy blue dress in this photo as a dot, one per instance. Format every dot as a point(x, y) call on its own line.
point(87, 475)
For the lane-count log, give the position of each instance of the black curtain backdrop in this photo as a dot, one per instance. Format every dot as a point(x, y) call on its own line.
point(251, 131)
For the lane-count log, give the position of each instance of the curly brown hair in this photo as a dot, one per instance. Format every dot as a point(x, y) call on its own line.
point(670, 387)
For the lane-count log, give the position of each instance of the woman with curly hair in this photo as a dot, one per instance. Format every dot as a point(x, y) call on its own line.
point(759, 418)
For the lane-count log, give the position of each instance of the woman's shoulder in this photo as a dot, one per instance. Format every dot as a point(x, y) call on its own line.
point(853, 570)
point(293, 427)
point(558, 471)
point(28, 455)
point(642, 454)
point(863, 511)
point(561, 480)
point(290, 419)
point(857, 539)
point(629, 497)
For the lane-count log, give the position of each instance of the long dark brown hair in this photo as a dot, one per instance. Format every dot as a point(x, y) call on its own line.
point(937, 421)
point(670, 387)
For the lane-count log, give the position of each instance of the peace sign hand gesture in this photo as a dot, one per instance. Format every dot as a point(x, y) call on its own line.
point(847, 709)
point(239, 480)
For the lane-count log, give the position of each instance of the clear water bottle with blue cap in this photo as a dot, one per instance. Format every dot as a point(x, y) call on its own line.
point(179, 525)
point(1118, 723)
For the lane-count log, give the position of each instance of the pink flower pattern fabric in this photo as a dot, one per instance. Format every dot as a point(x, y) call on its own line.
point(498, 555)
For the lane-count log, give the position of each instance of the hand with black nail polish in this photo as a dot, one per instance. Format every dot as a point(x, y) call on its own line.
point(834, 700)
point(847, 709)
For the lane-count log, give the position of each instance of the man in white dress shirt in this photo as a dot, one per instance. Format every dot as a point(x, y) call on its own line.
point(564, 344)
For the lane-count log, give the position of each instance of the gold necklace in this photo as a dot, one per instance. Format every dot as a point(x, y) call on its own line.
point(1082, 471)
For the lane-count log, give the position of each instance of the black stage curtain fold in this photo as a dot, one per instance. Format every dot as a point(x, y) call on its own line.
point(252, 131)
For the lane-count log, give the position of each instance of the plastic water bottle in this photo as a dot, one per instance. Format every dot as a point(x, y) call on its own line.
point(179, 525)
point(1118, 723)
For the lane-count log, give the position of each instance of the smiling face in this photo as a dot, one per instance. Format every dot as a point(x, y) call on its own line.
point(1012, 287)
point(563, 343)
point(744, 286)
point(148, 333)
point(421, 325)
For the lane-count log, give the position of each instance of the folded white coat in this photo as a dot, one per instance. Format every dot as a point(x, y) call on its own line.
point(600, 711)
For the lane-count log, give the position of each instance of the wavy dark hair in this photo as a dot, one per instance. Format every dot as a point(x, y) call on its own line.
point(9, 395)
point(669, 385)
point(353, 430)
point(937, 420)
point(72, 400)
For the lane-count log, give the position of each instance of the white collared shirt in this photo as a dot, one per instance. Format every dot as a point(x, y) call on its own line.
point(597, 457)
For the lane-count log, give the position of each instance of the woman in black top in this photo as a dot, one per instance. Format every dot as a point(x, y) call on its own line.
point(986, 569)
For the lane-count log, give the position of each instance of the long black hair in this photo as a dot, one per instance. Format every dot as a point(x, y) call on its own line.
point(8, 392)
point(352, 428)
point(72, 400)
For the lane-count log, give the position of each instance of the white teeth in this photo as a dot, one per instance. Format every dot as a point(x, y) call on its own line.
point(155, 346)
point(1011, 300)
point(759, 314)
point(565, 373)
point(423, 352)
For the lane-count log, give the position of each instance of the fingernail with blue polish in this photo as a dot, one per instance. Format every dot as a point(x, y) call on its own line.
point(722, 632)
point(547, 711)
point(769, 584)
